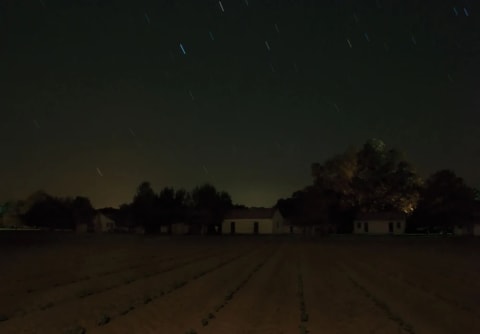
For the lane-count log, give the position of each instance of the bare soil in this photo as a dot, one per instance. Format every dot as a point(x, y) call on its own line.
point(67, 283)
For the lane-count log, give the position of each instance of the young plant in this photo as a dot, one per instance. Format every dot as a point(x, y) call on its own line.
point(104, 319)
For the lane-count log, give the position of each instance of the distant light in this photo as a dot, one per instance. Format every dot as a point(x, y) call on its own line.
point(183, 49)
point(221, 6)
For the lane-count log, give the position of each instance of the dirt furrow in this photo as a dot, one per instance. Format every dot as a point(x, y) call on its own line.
point(334, 305)
point(267, 302)
point(193, 307)
point(422, 311)
point(91, 310)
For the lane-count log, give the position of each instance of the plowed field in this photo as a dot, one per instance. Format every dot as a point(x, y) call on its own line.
point(67, 283)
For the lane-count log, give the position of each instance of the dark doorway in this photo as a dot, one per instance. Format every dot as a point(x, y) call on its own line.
point(390, 227)
point(232, 227)
point(365, 227)
point(255, 228)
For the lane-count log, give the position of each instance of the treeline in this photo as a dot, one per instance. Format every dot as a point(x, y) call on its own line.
point(47, 211)
point(377, 179)
point(203, 209)
point(373, 178)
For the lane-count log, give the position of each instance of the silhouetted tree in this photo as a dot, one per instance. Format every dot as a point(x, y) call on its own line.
point(83, 211)
point(445, 201)
point(50, 212)
point(209, 208)
point(144, 208)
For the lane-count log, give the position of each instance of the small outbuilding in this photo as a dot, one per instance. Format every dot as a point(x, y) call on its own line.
point(175, 228)
point(253, 221)
point(380, 223)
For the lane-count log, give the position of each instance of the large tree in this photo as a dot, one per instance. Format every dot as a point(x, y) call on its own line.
point(50, 212)
point(144, 208)
point(83, 211)
point(209, 207)
point(445, 201)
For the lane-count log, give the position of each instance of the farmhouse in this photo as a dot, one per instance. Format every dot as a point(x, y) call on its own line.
point(253, 221)
point(380, 223)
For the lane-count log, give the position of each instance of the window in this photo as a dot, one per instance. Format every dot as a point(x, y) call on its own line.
point(399, 224)
point(390, 227)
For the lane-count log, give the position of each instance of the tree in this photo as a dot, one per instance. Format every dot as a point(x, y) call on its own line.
point(371, 179)
point(209, 207)
point(50, 212)
point(83, 211)
point(143, 208)
point(384, 181)
point(445, 201)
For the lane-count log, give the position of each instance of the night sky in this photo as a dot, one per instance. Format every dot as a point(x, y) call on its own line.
point(97, 96)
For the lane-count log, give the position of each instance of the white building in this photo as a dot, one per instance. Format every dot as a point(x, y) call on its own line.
point(175, 228)
point(102, 223)
point(380, 223)
point(253, 221)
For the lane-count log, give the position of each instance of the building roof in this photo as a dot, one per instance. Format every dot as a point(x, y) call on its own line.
point(250, 213)
point(381, 216)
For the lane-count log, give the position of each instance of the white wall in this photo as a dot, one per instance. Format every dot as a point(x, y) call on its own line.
point(476, 230)
point(378, 226)
point(245, 226)
point(103, 224)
